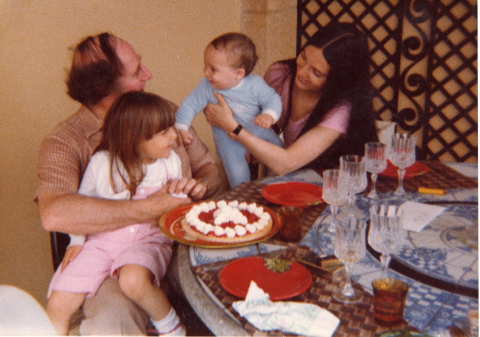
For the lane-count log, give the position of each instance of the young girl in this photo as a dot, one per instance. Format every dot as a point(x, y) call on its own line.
point(134, 159)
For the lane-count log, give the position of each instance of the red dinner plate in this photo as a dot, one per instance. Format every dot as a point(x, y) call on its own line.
point(415, 170)
point(236, 276)
point(293, 194)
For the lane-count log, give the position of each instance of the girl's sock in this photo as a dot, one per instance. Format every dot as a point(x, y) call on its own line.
point(170, 325)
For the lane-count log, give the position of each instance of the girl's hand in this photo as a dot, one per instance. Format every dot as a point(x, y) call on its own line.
point(220, 114)
point(70, 255)
point(196, 189)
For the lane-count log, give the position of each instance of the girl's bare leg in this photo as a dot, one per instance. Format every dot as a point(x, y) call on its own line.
point(60, 308)
point(136, 283)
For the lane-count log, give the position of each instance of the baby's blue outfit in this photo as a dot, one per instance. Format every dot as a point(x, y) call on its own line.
point(247, 100)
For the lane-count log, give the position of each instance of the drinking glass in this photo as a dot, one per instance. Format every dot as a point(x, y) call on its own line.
point(349, 247)
point(386, 232)
point(375, 162)
point(334, 194)
point(354, 175)
point(402, 155)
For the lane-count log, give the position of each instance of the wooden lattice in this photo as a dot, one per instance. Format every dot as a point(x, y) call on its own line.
point(423, 66)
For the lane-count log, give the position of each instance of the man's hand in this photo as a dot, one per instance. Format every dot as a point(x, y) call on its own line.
point(164, 201)
point(196, 189)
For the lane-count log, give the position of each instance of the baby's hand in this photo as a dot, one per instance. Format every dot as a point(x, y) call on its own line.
point(186, 137)
point(264, 120)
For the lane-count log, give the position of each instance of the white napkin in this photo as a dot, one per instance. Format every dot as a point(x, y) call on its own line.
point(417, 215)
point(299, 318)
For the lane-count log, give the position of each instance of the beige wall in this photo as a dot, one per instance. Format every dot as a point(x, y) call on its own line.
point(34, 39)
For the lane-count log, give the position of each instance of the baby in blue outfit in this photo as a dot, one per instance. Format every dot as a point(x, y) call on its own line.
point(229, 61)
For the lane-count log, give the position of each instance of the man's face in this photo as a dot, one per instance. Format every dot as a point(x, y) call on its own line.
point(135, 74)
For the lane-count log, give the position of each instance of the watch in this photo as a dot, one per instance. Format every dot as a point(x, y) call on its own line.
point(237, 129)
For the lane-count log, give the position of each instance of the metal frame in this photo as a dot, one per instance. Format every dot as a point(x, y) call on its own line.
point(423, 66)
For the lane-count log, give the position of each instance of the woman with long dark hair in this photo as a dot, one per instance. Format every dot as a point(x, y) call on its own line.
point(327, 103)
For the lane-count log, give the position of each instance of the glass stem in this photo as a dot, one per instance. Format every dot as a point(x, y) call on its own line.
point(333, 224)
point(351, 202)
point(400, 190)
point(373, 193)
point(348, 289)
point(385, 258)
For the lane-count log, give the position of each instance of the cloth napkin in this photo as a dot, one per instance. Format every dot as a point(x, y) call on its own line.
point(293, 317)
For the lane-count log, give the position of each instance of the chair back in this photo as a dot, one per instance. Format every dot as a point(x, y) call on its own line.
point(21, 314)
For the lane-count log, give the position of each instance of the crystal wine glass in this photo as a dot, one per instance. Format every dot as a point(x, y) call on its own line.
point(386, 233)
point(334, 194)
point(352, 170)
point(349, 247)
point(402, 155)
point(375, 162)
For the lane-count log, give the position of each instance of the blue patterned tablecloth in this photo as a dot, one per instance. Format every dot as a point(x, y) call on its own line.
point(446, 250)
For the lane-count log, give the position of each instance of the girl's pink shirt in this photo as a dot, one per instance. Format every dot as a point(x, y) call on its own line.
point(278, 76)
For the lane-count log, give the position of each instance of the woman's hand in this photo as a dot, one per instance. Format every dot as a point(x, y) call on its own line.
point(70, 255)
point(220, 114)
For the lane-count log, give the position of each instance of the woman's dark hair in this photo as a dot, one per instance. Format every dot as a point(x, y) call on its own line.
point(95, 69)
point(346, 51)
point(134, 117)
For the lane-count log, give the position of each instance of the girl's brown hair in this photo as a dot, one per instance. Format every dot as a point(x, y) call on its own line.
point(133, 118)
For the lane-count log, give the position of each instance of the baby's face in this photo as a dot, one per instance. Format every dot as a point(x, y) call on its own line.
point(219, 71)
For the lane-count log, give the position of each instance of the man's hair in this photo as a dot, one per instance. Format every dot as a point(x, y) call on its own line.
point(241, 47)
point(95, 69)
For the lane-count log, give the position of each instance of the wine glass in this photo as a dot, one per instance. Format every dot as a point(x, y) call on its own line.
point(375, 162)
point(334, 194)
point(352, 170)
point(386, 233)
point(402, 155)
point(349, 247)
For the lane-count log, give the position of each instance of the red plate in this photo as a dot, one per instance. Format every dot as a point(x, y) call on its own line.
point(170, 224)
point(293, 194)
point(415, 170)
point(236, 276)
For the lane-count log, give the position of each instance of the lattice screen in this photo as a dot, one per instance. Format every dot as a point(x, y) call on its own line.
point(423, 66)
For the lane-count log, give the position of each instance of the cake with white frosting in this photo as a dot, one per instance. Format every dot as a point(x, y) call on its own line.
point(227, 221)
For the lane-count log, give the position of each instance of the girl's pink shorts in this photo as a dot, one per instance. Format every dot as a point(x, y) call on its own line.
point(103, 254)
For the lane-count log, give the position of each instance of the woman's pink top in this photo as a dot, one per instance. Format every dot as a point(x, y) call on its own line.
point(279, 77)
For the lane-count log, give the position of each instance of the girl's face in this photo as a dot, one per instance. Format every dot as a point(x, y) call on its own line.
point(312, 69)
point(218, 69)
point(159, 146)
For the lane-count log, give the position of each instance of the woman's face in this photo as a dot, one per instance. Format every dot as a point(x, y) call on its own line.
point(312, 69)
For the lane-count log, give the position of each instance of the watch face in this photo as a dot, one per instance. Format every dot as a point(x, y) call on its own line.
point(237, 129)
